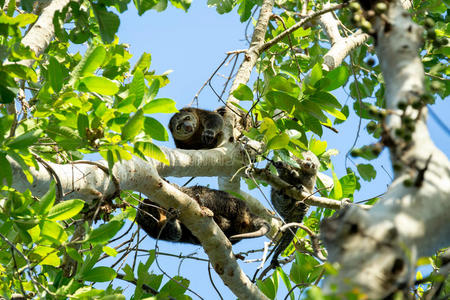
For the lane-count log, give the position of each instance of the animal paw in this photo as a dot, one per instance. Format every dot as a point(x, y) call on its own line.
point(208, 137)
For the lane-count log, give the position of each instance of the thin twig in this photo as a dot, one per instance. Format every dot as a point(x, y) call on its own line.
point(298, 25)
point(212, 281)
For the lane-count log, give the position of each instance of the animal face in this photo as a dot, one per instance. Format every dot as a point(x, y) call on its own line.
point(309, 163)
point(183, 125)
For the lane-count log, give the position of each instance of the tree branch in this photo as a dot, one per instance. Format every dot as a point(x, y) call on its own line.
point(42, 33)
point(377, 249)
point(298, 25)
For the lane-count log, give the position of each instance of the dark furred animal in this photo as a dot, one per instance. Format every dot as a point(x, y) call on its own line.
point(290, 209)
point(194, 128)
point(231, 214)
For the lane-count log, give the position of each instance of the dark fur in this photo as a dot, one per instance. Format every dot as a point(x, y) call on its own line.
point(207, 134)
point(292, 210)
point(231, 214)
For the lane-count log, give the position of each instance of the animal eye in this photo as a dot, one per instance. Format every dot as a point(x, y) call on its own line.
point(187, 118)
point(178, 127)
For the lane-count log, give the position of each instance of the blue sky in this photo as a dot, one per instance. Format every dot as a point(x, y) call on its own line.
point(193, 44)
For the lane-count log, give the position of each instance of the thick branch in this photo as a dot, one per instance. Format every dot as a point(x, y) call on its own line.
point(41, 34)
point(377, 249)
point(88, 182)
point(253, 52)
point(339, 51)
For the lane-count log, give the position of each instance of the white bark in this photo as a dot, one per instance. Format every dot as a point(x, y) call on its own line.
point(42, 32)
point(339, 51)
point(377, 249)
point(90, 183)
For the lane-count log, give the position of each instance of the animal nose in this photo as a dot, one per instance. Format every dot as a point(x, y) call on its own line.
point(188, 128)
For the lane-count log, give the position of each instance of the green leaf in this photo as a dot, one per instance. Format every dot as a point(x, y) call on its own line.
point(222, 6)
point(46, 201)
point(137, 87)
point(93, 61)
point(325, 99)
point(161, 105)
point(181, 4)
point(155, 129)
point(144, 5)
point(243, 92)
point(286, 281)
point(101, 85)
point(366, 171)
point(65, 210)
point(151, 150)
point(280, 83)
point(7, 93)
point(315, 75)
point(278, 141)
point(56, 74)
point(317, 147)
point(154, 89)
point(143, 62)
point(172, 288)
point(99, 274)
point(338, 77)
point(282, 100)
point(108, 22)
point(348, 183)
point(267, 287)
point(52, 232)
point(269, 128)
point(82, 124)
point(110, 159)
point(110, 251)
point(104, 232)
point(245, 9)
point(11, 8)
point(25, 19)
point(126, 105)
point(313, 109)
point(6, 172)
point(88, 292)
point(336, 193)
point(45, 255)
point(133, 126)
point(73, 253)
point(25, 140)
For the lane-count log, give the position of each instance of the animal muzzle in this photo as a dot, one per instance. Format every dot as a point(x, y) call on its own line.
point(188, 128)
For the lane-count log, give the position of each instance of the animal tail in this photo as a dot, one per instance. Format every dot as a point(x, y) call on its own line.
point(260, 232)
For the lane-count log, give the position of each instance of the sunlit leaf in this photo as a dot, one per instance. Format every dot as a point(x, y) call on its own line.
point(161, 105)
point(151, 150)
point(99, 274)
point(155, 129)
point(366, 171)
point(101, 85)
point(93, 61)
point(108, 22)
point(25, 140)
point(278, 141)
point(243, 92)
point(65, 210)
point(104, 232)
point(52, 232)
point(133, 126)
